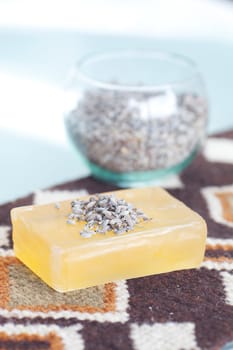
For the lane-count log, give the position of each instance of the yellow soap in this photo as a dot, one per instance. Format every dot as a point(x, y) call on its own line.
point(173, 239)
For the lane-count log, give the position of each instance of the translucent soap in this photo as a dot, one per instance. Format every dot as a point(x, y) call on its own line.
point(173, 239)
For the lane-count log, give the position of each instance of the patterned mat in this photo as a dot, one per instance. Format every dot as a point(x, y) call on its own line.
point(185, 310)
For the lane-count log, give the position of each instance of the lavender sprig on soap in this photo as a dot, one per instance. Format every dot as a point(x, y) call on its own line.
point(104, 213)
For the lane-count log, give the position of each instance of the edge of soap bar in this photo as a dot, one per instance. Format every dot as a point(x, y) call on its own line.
point(21, 248)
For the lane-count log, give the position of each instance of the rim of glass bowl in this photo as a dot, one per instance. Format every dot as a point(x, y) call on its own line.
point(168, 56)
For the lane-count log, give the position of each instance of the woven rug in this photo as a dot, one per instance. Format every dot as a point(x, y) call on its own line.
point(184, 310)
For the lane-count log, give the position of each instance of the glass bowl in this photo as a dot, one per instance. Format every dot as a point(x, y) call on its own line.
point(136, 116)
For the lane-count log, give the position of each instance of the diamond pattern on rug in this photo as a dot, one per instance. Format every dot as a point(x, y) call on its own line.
point(30, 342)
point(226, 200)
point(219, 250)
point(22, 290)
point(40, 337)
point(228, 286)
point(219, 150)
point(23, 284)
point(27, 291)
point(165, 336)
point(220, 203)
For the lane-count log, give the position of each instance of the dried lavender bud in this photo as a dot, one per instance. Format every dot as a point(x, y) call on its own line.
point(98, 217)
point(87, 234)
point(105, 213)
point(113, 202)
point(90, 205)
point(108, 214)
point(77, 210)
point(71, 222)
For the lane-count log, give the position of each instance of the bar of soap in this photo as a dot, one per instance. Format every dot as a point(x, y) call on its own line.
point(173, 239)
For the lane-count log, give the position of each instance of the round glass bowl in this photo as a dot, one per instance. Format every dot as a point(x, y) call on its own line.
point(136, 116)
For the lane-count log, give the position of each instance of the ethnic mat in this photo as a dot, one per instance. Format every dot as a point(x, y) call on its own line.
point(184, 310)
